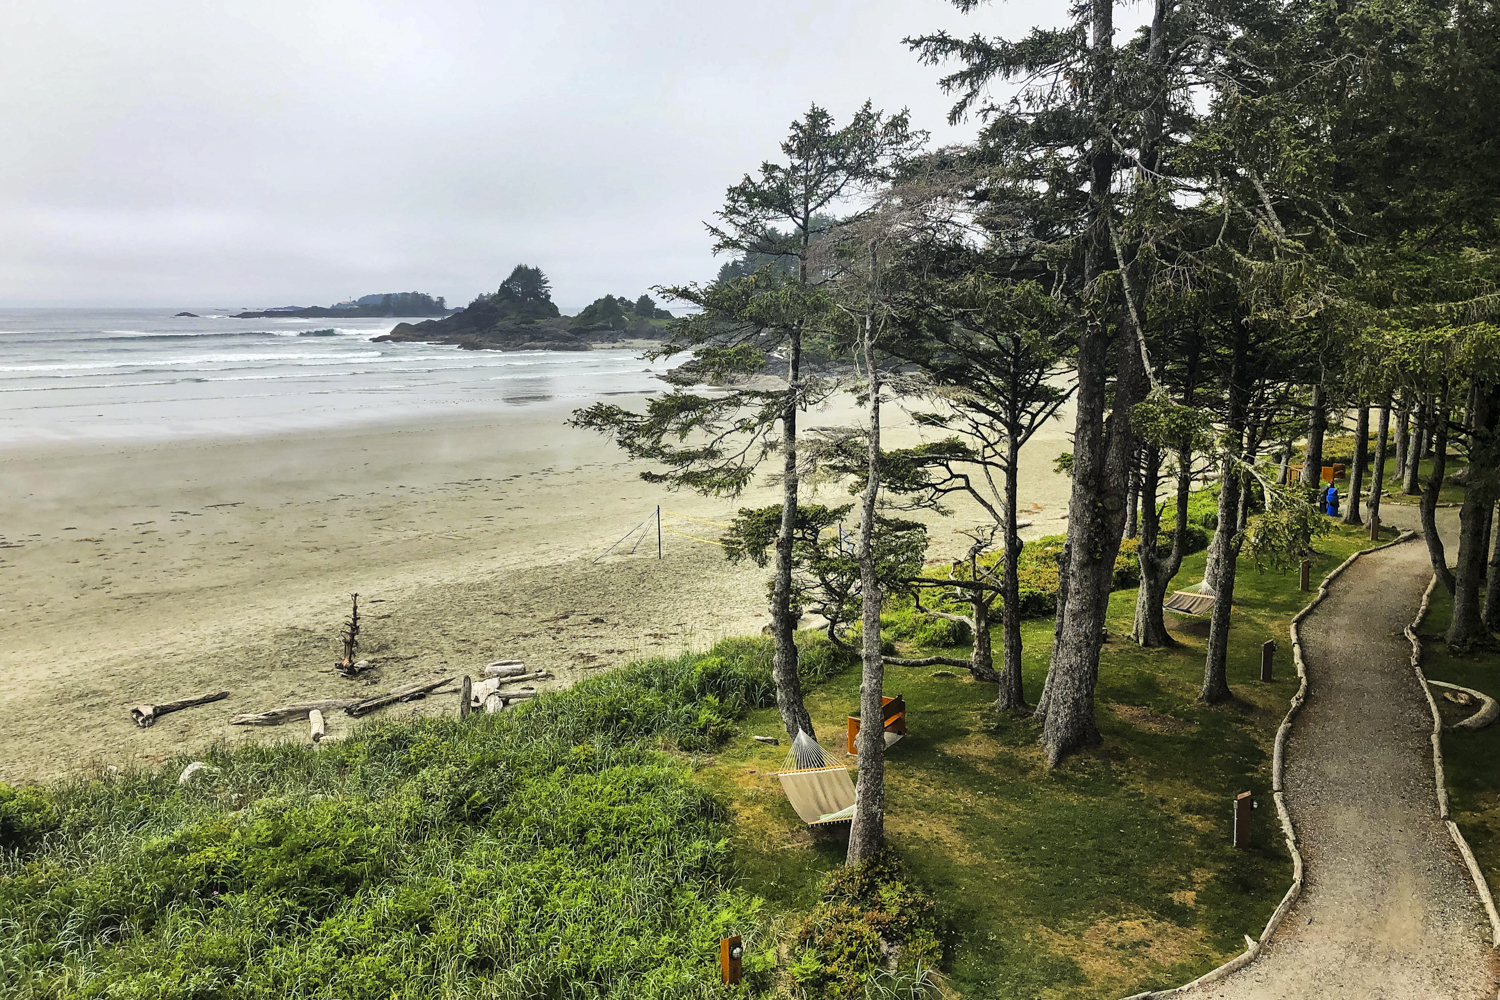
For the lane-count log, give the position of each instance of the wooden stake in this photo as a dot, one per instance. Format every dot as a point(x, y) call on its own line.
point(1242, 807)
point(1267, 657)
point(731, 952)
point(1306, 575)
point(658, 544)
point(465, 693)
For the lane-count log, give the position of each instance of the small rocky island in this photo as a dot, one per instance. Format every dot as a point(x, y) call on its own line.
point(364, 307)
point(520, 316)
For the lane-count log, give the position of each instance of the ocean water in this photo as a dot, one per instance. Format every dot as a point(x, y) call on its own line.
point(95, 374)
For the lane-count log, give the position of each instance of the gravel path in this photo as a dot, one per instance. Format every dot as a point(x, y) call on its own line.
point(1387, 910)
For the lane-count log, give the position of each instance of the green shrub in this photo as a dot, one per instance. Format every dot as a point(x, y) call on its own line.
point(870, 916)
point(26, 814)
point(907, 624)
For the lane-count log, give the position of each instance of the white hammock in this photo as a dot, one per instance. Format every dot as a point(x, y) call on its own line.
point(820, 792)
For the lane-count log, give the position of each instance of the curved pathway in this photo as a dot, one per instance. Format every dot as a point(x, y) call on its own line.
point(1387, 910)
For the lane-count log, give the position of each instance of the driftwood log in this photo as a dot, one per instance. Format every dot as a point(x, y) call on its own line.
point(410, 692)
point(290, 713)
point(492, 685)
point(539, 675)
point(319, 730)
point(145, 716)
point(504, 668)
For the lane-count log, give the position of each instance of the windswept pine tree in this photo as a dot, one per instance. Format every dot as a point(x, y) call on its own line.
point(757, 324)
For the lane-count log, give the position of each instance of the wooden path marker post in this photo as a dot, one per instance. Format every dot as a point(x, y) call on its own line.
point(731, 950)
point(1242, 807)
point(1306, 574)
point(1267, 658)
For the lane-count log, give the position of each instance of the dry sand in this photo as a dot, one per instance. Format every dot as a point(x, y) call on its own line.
point(149, 572)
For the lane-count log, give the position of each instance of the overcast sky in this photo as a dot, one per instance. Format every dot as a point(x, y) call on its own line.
point(264, 153)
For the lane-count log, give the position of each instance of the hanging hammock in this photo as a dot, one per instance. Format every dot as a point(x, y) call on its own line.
point(819, 791)
point(1185, 602)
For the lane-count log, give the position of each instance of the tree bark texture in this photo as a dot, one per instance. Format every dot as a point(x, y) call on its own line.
point(1096, 519)
point(1133, 500)
point(1377, 476)
point(784, 673)
point(1410, 481)
point(867, 833)
point(1428, 506)
point(1057, 629)
point(1492, 583)
point(1224, 554)
point(1361, 456)
point(1317, 425)
point(1150, 629)
point(1474, 521)
point(1012, 693)
point(1402, 431)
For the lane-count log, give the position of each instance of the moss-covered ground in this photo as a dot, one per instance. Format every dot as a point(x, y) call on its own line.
point(1107, 876)
point(1468, 757)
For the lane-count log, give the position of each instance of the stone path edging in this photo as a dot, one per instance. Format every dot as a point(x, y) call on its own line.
point(1252, 946)
point(1475, 874)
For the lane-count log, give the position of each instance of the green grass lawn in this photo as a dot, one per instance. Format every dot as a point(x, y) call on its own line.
point(1468, 758)
point(1450, 492)
point(1110, 875)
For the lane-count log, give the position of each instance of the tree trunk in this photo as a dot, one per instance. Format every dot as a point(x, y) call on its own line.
point(1224, 553)
point(1410, 484)
point(1317, 424)
point(1361, 456)
point(1057, 628)
point(1492, 584)
point(1377, 476)
point(1474, 521)
point(1150, 627)
point(867, 833)
point(1133, 499)
point(1012, 694)
point(784, 673)
point(1403, 431)
point(1096, 519)
point(1283, 473)
point(1428, 506)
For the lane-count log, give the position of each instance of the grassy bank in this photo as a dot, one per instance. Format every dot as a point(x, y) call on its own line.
point(558, 851)
point(1111, 875)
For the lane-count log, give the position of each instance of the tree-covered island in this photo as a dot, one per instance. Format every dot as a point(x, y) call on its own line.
point(520, 315)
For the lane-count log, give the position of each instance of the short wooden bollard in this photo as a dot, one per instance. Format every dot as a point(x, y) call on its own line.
point(1374, 528)
point(1306, 574)
point(1267, 657)
point(1242, 807)
point(465, 696)
point(731, 950)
